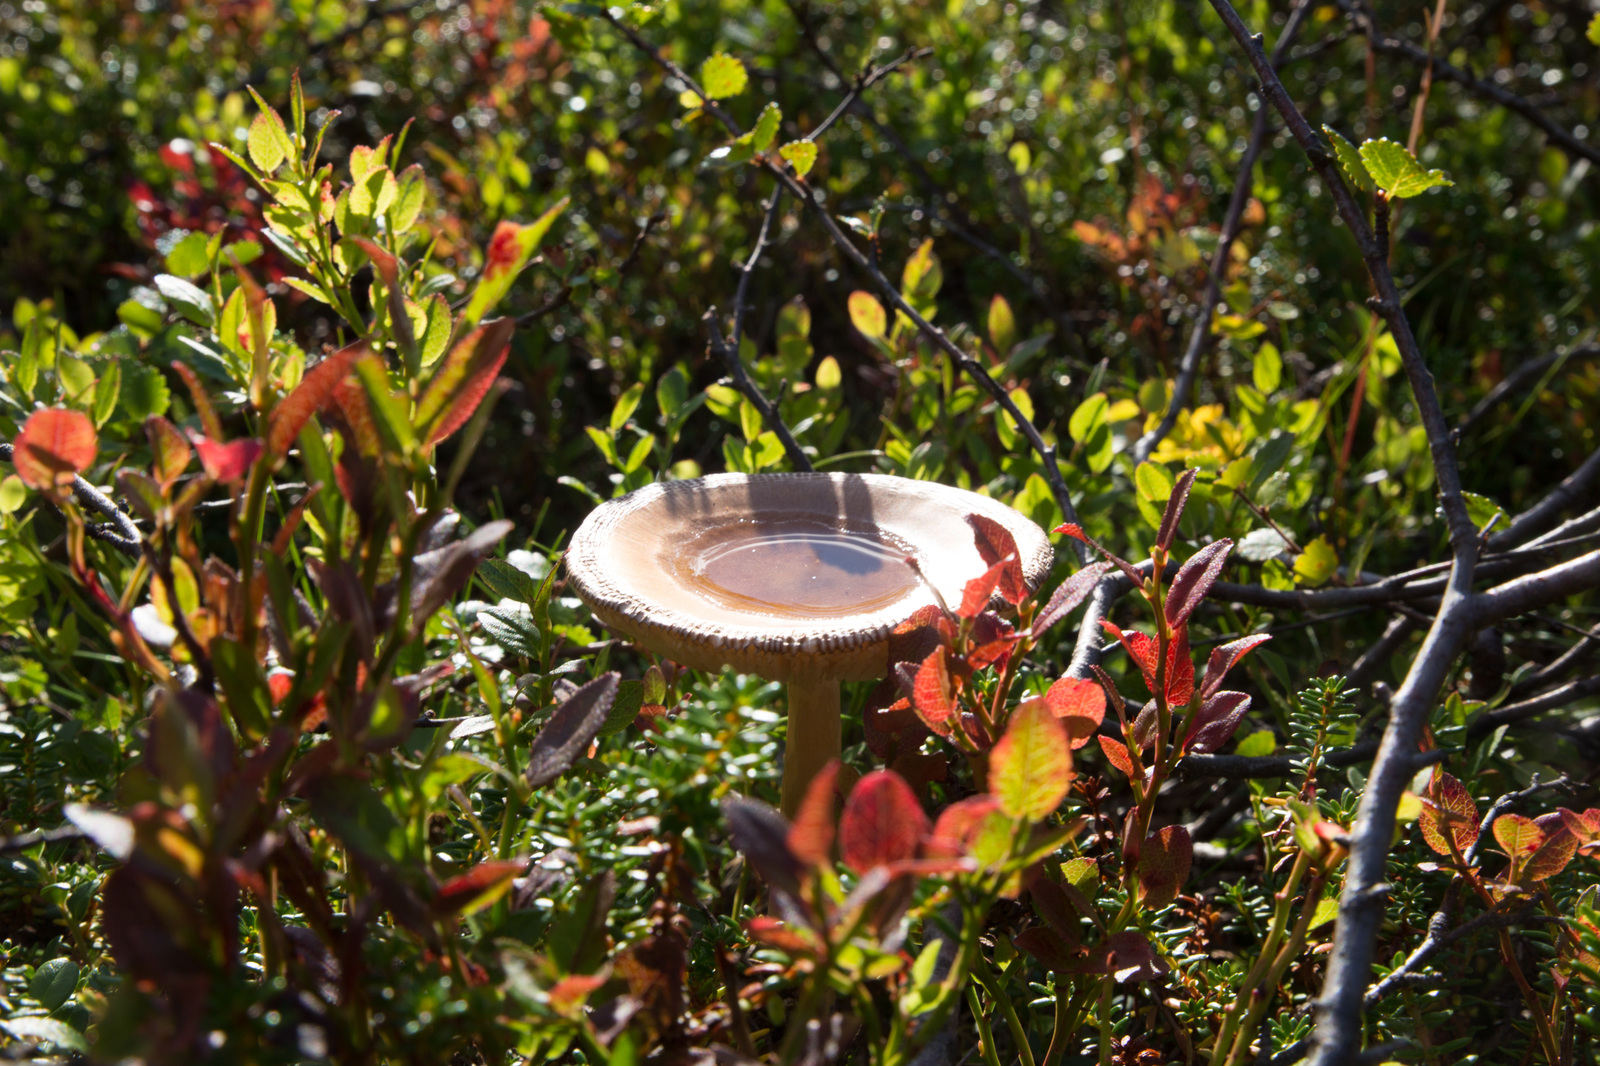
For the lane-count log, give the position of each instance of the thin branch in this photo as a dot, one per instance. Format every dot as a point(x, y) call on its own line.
point(550, 306)
point(1511, 713)
point(802, 192)
point(741, 381)
point(1365, 669)
point(1338, 1033)
point(1507, 99)
point(1520, 378)
point(1232, 223)
point(1541, 515)
point(749, 266)
point(122, 534)
point(24, 841)
point(1505, 803)
point(1557, 667)
point(1532, 591)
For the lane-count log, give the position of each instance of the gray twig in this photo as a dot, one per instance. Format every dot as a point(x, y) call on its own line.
point(121, 534)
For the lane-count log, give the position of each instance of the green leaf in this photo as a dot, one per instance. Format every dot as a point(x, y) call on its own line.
point(1153, 481)
point(190, 302)
point(189, 257)
point(1002, 325)
point(802, 155)
point(1030, 767)
point(144, 392)
point(13, 494)
point(766, 128)
point(1480, 509)
point(244, 685)
point(46, 1030)
point(1267, 369)
point(1090, 415)
point(1397, 171)
point(1261, 742)
point(1594, 30)
point(1259, 545)
point(867, 314)
point(626, 404)
point(54, 982)
point(269, 142)
point(1317, 563)
point(506, 581)
point(828, 374)
point(723, 76)
point(1349, 160)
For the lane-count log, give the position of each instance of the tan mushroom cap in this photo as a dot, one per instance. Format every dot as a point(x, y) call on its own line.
point(784, 575)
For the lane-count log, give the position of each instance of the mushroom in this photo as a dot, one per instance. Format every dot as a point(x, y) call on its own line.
point(798, 578)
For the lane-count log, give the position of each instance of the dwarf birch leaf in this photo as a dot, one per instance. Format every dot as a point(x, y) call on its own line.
point(54, 446)
point(1030, 767)
point(1081, 706)
point(1350, 160)
point(867, 314)
point(1164, 862)
point(1396, 171)
point(1449, 810)
point(723, 76)
point(802, 155)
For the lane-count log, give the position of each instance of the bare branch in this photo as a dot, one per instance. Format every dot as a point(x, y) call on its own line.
point(1511, 713)
point(1506, 802)
point(741, 380)
point(1557, 667)
point(1532, 591)
point(1541, 515)
point(122, 534)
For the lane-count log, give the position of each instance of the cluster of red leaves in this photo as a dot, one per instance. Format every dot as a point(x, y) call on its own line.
point(1537, 848)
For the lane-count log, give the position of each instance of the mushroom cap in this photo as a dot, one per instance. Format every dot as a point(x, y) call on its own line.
point(784, 575)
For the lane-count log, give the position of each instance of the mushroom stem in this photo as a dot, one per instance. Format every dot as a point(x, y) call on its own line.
point(813, 736)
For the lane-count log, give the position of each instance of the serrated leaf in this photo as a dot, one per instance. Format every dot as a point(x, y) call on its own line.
point(802, 155)
point(931, 694)
point(1396, 171)
point(1259, 545)
point(1449, 809)
point(723, 76)
point(1164, 861)
point(1349, 160)
point(1030, 767)
point(268, 142)
point(766, 127)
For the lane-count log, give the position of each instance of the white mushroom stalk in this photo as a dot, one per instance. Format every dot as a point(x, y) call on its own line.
point(799, 578)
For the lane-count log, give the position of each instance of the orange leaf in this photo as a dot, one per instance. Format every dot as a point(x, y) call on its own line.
point(1081, 706)
point(477, 888)
point(54, 445)
point(932, 695)
point(998, 548)
point(811, 835)
point(1449, 808)
point(172, 452)
point(229, 462)
point(975, 596)
point(1553, 852)
point(1117, 753)
point(314, 390)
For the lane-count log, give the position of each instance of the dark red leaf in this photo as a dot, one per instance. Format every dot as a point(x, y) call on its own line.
point(1052, 950)
point(572, 727)
point(998, 548)
point(1113, 698)
point(1180, 670)
point(882, 822)
point(1211, 727)
point(1194, 579)
point(763, 836)
point(1068, 595)
point(1175, 505)
point(1164, 862)
point(1223, 659)
point(1052, 904)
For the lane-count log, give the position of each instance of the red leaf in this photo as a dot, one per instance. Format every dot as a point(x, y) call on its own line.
point(1075, 531)
point(1194, 579)
point(1081, 706)
point(932, 695)
point(314, 390)
point(1117, 753)
point(811, 835)
point(1129, 957)
point(1030, 767)
point(478, 887)
point(229, 462)
point(54, 445)
point(774, 933)
point(1175, 505)
point(209, 422)
point(1113, 698)
point(1049, 947)
point(462, 379)
point(958, 823)
point(1164, 862)
point(1180, 670)
point(1052, 904)
point(977, 593)
point(998, 548)
point(993, 638)
point(1216, 721)
point(1448, 808)
point(1554, 851)
point(573, 990)
point(882, 822)
point(171, 451)
point(1141, 647)
point(1223, 659)
point(1068, 595)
